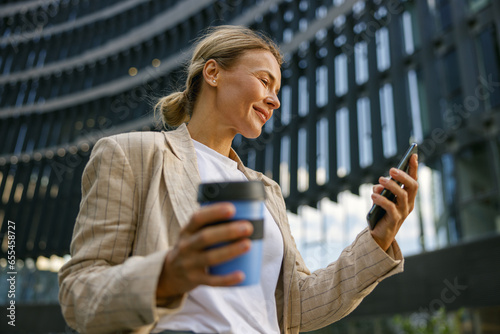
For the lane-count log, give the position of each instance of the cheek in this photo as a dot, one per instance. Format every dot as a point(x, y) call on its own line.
point(251, 91)
point(242, 94)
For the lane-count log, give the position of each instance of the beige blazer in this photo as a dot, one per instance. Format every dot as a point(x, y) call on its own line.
point(138, 191)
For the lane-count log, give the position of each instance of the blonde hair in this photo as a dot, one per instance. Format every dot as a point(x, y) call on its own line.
point(224, 44)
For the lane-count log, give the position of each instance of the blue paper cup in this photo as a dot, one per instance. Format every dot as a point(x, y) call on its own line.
point(248, 199)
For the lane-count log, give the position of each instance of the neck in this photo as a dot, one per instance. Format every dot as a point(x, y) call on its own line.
point(206, 129)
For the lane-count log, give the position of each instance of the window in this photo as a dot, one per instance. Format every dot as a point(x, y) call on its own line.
point(438, 207)
point(388, 122)
point(8, 64)
point(285, 166)
point(269, 126)
point(478, 194)
point(414, 98)
point(451, 72)
point(2, 89)
point(303, 166)
point(32, 94)
point(269, 153)
point(489, 65)
point(343, 142)
point(409, 43)
point(251, 156)
point(21, 94)
point(322, 151)
point(477, 5)
point(31, 59)
point(361, 62)
point(442, 13)
point(450, 191)
point(321, 86)
point(287, 35)
point(44, 135)
point(312, 228)
point(20, 139)
point(286, 103)
point(340, 74)
point(364, 132)
point(383, 52)
point(303, 97)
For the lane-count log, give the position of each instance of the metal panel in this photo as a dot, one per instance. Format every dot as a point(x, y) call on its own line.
point(374, 85)
point(397, 73)
point(331, 109)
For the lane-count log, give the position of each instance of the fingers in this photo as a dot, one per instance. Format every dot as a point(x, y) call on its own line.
point(222, 254)
point(209, 214)
point(405, 196)
point(213, 256)
point(389, 206)
point(377, 189)
point(224, 280)
point(413, 171)
point(186, 265)
point(225, 232)
point(409, 180)
point(396, 212)
point(183, 272)
point(196, 266)
point(393, 187)
point(225, 253)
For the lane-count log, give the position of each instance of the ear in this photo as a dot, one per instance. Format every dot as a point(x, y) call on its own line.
point(211, 72)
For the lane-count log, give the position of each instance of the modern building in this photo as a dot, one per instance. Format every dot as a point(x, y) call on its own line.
point(362, 80)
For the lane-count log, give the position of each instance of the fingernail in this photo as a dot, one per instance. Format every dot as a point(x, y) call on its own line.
point(240, 276)
point(229, 209)
point(395, 171)
point(244, 228)
point(245, 244)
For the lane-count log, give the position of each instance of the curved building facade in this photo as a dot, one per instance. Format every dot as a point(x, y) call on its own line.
point(362, 79)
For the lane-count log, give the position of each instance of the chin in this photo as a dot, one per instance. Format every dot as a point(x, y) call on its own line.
point(254, 133)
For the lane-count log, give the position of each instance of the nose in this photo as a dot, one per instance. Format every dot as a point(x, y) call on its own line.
point(273, 101)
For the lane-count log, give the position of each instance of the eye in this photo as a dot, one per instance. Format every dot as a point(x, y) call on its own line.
point(265, 82)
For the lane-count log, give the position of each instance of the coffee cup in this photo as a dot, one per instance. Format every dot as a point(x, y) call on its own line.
point(248, 199)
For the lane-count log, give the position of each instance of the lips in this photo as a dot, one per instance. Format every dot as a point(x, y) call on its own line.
point(263, 114)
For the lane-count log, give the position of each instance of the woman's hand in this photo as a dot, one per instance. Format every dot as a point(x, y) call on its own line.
point(186, 264)
point(396, 212)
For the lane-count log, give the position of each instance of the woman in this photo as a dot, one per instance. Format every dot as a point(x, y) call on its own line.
point(139, 249)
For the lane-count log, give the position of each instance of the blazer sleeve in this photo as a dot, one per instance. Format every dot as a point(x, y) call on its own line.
point(104, 288)
point(331, 293)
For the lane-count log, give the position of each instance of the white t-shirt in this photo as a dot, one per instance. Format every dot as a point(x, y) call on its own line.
point(245, 309)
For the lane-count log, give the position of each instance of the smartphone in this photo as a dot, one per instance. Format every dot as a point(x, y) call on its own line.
point(377, 212)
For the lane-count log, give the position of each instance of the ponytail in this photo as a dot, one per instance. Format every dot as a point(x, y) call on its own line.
point(173, 109)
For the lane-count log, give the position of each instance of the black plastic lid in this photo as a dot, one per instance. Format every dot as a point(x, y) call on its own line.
point(231, 191)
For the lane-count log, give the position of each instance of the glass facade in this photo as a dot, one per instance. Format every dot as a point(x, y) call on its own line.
point(361, 80)
point(459, 178)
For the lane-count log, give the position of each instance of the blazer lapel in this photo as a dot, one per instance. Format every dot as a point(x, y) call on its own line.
point(181, 173)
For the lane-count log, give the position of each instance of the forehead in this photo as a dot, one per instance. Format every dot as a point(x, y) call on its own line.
point(256, 60)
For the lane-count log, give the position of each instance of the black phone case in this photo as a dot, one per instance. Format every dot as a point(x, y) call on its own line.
point(377, 212)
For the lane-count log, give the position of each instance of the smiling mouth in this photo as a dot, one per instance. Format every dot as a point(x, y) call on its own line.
point(262, 114)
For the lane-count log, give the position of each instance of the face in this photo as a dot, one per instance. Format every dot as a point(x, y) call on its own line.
point(247, 93)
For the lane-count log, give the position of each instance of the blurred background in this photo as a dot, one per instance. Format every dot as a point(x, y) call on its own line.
point(362, 80)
